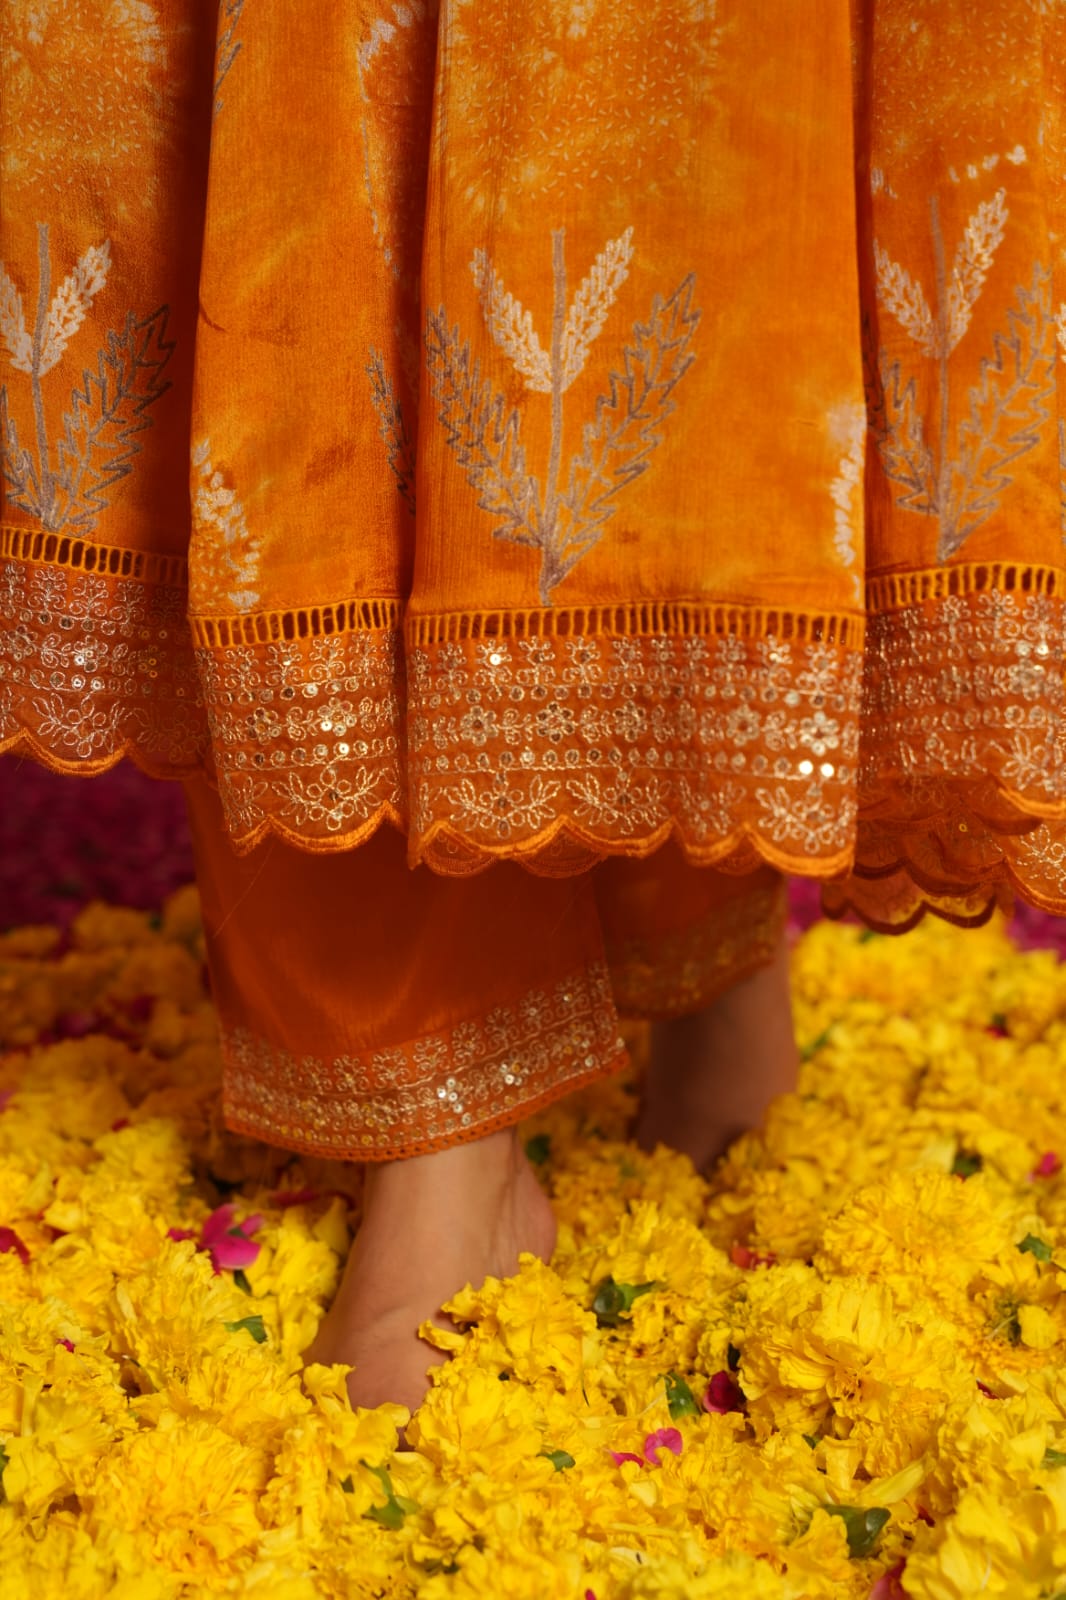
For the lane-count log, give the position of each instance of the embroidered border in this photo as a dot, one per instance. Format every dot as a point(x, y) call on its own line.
point(428, 1092)
point(95, 661)
point(674, 974)
point(967, 686)
point(306, 735)
point(962, 791)
point(558, 737)
point(572, 747)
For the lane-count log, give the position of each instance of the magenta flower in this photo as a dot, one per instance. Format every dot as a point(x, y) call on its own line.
point(9, 1240)
point(723, 1394)
point(76, 1024)
point(889, 1585)
point(140, 1008)
point(181, 1233)
point(618, 1456)
point(661, 1439)
point(67, 1343)
point(230, 1246)
point(1050, 1163)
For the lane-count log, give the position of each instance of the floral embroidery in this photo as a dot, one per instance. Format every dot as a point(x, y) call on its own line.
point(92, 665)
point(478, 1075)
point(676, 973)
point(1008, 405)
point(988, 660)
point(305, 732)
point(565, 523)
point(617, 738)
point(225, 553)
point(965, 716)
point(107, 412)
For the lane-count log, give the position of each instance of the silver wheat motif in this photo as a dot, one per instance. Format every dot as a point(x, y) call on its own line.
point(399, 446)
point(563, 522)
point(228, 46)
point(1008, 406)
point(106, 412)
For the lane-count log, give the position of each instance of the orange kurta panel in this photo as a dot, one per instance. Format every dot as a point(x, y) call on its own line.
point(599, 423)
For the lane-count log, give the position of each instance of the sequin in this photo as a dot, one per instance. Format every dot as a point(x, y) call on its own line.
point(365, 1107)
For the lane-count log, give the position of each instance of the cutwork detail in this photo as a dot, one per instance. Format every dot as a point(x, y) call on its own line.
point(477, 1075)
point(617, 739)
point(305, 732)
point(548, 738)
point(94, 665)
point(963, 711)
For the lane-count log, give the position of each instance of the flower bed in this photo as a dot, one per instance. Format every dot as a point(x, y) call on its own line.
point(836, 1369)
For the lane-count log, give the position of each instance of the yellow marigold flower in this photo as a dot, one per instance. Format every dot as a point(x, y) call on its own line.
point(818, 1564)
point(1037, 1328)
point(471, 1422)
point(1013, 1546)
point(187, 1490)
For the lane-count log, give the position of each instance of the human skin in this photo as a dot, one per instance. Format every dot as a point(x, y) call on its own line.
point(436, 1222)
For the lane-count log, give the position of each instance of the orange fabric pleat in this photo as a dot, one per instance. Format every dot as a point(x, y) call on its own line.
point(369, 1011)
point(549, 429)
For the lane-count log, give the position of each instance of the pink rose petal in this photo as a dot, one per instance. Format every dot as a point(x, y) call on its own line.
point(889, 1585)
point(234, 1252)
point(76, 1024)
point(1050, 1163)
point(662, 1439)
point(9, 1240)
point(229, 1246)
point(67, 1344)
point(723, 1394)
point(618, 1456)
point(742, 1257)
point(140, 1008)
point(181, 1233)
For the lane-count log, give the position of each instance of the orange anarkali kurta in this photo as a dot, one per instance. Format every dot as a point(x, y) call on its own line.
point(564, 427)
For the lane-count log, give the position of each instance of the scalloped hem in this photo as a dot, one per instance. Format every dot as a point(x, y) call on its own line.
point(24, 744)
point(566, 849)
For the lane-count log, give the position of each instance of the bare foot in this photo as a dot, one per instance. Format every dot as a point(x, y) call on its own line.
point(713, 1074)
point(430, 1225)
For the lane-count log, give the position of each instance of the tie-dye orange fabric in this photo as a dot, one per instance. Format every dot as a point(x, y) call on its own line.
point(564, 424)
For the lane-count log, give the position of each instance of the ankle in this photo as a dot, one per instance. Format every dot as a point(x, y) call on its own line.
point(452, 1177)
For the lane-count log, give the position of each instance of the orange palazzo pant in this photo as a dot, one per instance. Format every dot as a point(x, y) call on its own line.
point(369, 1011)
